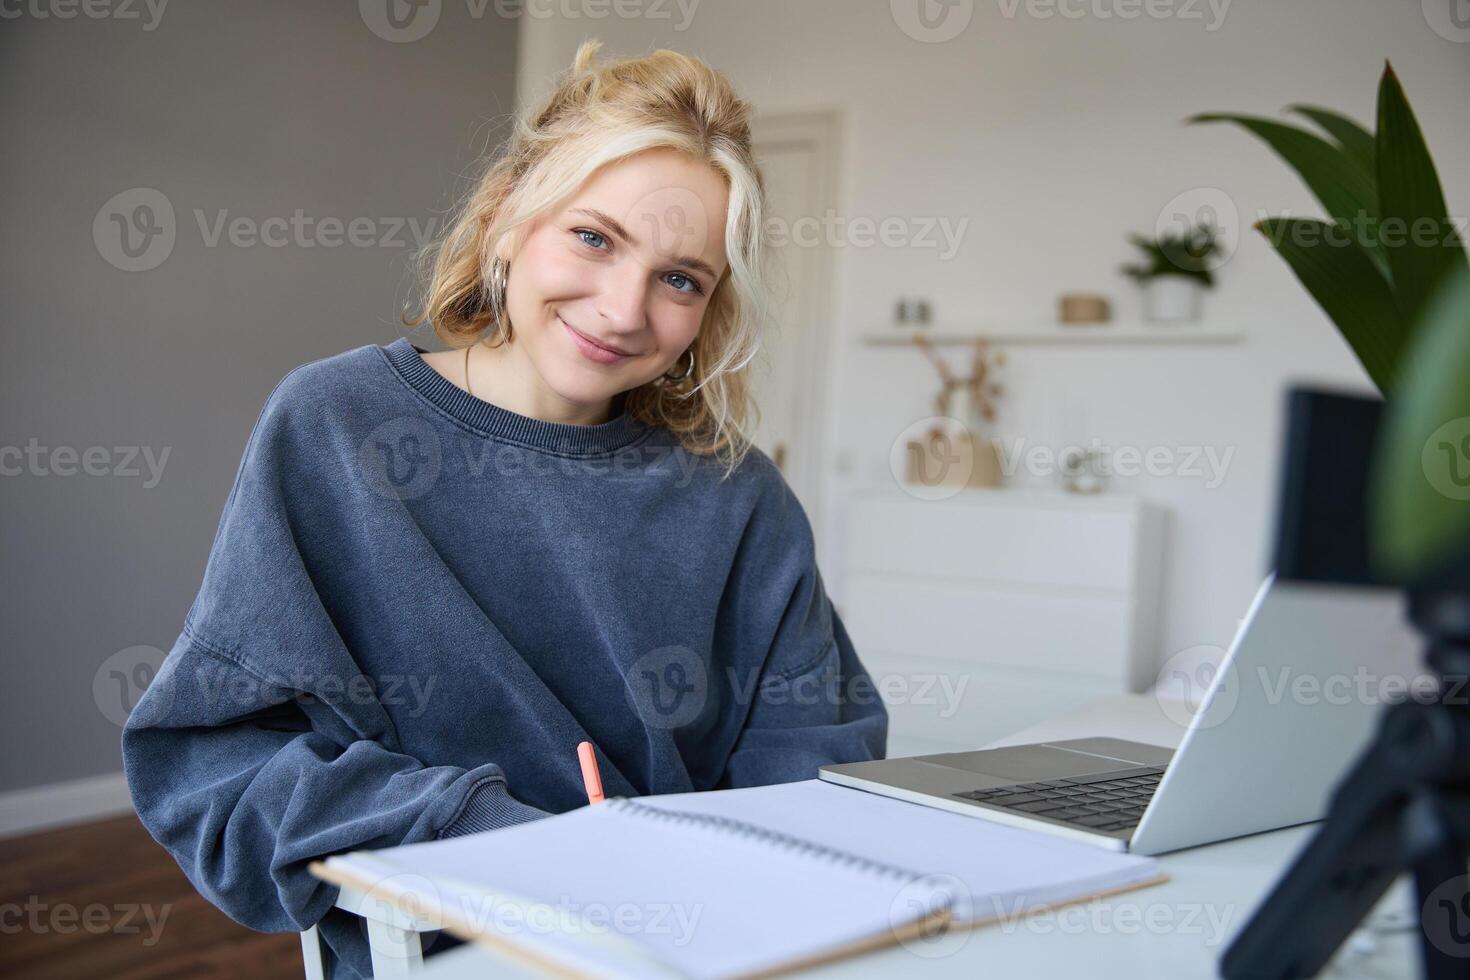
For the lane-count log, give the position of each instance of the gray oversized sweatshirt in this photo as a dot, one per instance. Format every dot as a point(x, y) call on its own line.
point(417, 603)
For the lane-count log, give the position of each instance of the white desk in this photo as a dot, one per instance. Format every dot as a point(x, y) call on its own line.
point(1177, 929)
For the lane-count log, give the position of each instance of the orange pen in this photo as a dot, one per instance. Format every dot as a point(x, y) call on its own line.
point(590, 776)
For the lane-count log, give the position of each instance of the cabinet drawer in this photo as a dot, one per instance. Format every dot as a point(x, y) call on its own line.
point(1082, 633)
point(1085, 549)
point(936, 700)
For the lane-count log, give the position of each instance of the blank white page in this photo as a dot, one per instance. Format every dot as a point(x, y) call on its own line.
point(707, 900)
point(1004, 870)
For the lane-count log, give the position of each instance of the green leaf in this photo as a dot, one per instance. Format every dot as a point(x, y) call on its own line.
point(1338, 178)
point(1424, 244)
point(1347, 284)
point(1420, 487)
point(1356, 141)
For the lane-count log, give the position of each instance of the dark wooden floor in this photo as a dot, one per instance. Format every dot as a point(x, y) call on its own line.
point(81, 899)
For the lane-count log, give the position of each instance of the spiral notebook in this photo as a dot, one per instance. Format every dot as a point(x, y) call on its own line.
point(734, 883)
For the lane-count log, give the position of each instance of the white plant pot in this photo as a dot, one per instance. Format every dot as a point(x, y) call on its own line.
point(1172, 299)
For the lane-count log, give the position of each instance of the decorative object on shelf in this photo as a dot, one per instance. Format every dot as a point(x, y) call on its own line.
point(911, 311)
point(1175, 273)
point(1083, 308)
point(953, 455)
point(1082, 472)
point(950, 457)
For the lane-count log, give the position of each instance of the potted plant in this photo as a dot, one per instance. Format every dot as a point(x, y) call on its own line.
point(1175, 272)
point(1389, 267)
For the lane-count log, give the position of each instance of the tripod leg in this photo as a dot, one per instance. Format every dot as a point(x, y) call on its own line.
point(1338, 877)
point(1437, 854)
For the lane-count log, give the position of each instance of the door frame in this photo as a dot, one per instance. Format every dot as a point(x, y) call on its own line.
point(819, 131)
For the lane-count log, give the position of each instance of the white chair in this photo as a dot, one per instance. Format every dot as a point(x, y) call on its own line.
point(393, 937)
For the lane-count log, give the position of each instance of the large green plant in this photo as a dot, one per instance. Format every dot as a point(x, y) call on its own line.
point(1388, 266)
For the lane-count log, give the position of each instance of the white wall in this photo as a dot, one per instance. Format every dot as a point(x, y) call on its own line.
point(1054, 136)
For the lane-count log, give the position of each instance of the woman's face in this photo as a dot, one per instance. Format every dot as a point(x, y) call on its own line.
point(608, 292)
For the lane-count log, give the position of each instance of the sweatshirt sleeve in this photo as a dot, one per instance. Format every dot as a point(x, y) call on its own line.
point(260, 745)
point(812, 702)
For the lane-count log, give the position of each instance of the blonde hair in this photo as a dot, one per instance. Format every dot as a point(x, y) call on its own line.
point(595, 116)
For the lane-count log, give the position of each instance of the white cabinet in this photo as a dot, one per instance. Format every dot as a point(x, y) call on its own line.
point(988, 611)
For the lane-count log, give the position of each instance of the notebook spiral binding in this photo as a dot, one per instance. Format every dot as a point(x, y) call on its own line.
point(905, 875)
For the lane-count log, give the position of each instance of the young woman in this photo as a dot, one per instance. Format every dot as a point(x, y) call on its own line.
point(437, 573)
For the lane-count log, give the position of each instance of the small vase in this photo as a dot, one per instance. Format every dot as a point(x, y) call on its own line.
point(1172, 299)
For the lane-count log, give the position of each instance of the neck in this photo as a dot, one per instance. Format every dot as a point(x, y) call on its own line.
point(504, 376)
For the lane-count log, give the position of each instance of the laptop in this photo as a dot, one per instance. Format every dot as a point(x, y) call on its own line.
point(1325, 645)
point(1293, 702)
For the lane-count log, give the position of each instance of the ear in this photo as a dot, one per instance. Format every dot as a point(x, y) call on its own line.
point(502, 248)
point(510, 243)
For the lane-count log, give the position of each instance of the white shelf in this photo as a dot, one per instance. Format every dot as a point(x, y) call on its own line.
point(1043, 332)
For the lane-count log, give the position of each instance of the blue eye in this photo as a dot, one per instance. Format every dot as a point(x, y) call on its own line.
point(695, 287)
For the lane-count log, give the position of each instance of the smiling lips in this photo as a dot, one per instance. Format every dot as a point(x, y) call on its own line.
point(593, 350)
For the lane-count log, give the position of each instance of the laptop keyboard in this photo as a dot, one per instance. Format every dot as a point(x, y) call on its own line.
point(1103, 801)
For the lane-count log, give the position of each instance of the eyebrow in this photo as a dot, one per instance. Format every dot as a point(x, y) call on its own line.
point(618, 230)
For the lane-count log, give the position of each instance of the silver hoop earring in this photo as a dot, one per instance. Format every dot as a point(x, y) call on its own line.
point(687, 371)
point(499, 277)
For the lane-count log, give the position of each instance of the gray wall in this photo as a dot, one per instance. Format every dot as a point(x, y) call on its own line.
point(253, 111)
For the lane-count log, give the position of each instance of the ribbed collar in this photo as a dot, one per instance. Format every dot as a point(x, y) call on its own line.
point(493, 420)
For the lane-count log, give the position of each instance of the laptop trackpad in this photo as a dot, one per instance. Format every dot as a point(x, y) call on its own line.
point(1027, 763)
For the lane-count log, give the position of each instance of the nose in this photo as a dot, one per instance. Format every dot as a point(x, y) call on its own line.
point(623, 296)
